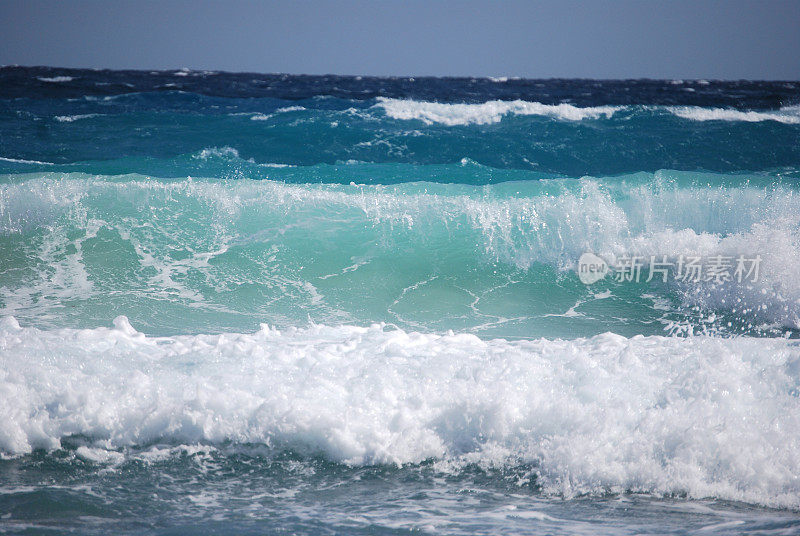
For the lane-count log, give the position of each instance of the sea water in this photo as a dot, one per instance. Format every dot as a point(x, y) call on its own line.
point(248, 304)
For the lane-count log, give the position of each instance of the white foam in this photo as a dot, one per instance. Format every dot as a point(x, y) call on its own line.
point(704, 416)
point(71, 118)
point(266, 117)
point(20, 161)
point(98, 455)
point(290, 109)
point(56, 79)
point(217, 152)
point(276, 166)
point(487, 112)
point(641, 220)
point(789, 115)
point(774, 297)
point(455, 114)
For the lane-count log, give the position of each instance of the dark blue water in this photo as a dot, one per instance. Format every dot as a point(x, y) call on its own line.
point(145, 122)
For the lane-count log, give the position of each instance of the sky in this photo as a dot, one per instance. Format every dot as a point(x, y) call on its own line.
point(730, 39)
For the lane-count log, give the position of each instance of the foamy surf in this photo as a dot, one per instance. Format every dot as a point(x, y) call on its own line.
point(702, 416)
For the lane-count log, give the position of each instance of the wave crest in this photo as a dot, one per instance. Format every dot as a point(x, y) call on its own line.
point(789, 115)
point(207, 245)
point(487, 112)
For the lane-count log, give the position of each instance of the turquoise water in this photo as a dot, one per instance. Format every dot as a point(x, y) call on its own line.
point(235, 303)
point(204, 255)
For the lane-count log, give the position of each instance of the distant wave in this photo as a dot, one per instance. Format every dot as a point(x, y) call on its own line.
point(487, 112)
point(503, 79)
point(456, 114)
point(290, 109)
point(71, 118)
point(231, 154)
point(20, 161)
point(266, 117)
point(217, 152)
point(789, 115)
point(56, 79)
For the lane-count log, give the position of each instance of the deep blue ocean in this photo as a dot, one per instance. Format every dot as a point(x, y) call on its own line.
point(274, 304)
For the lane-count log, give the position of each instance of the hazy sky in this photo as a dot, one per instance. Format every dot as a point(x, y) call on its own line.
point(551, 38)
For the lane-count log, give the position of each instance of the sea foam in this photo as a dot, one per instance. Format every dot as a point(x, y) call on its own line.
point(708, 417)
point(487, 112)
point(460, 114)
point(56, 79)
point(789, 115)
point(71, 118)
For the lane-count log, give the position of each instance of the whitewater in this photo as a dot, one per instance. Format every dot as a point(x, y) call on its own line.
point(239, 303)
point(706, 416)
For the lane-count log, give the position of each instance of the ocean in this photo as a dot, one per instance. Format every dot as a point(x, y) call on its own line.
point(238, 303)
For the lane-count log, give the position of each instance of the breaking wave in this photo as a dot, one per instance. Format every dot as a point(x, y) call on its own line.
point(707, 417)
point(459, 114)
point(789, 115)
point(207, 245)
point(486, 112)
